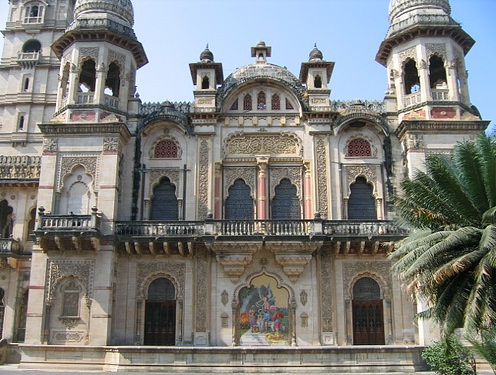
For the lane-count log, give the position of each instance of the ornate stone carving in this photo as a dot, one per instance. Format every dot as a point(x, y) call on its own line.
point(203, 179)
point(118, 57)
point(322, 203)
point(436, 48)
point(234, 257)
point(304, 297)
point(379, 271)
point(111, 145)
point(68, 336)
point(67, 164)
point(248, 175)
point(82, 270)
point(410, 53)
point(201, 304)
point(326, 277)
point(20, 167)
point(263, 145)
point(373, 148)
point(224, 297)
point(86, 52)
point(157, 175)
point(366, 171)
point(293, 256)
point(50, 144)
point(69, 322)
point(151, 270)
point(292, 173)
point(414, 141)
point(151, 151)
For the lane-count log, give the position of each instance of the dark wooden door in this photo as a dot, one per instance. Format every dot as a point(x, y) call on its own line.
point(368, 322)
point(160, 323)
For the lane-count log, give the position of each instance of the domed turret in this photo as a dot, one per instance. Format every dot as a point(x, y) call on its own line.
point(316, 54)
point(207, 55)
point(120, 11)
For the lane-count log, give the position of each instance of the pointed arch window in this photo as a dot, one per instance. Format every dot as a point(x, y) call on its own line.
point(317, 83)
point(276, 102)
point(205, 83)
point(411, 77)
point(239, 203)
point(164, 204)
point(286, 204)
point(166, 149)
point(359, 147)
point(113, 81)
point(261, 101)
point(361, 205)
point(71, 293)
point(247, 103)
point(437, 73)
point(87, 77)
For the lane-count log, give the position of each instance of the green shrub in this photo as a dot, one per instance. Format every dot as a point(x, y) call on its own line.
point(448, 357)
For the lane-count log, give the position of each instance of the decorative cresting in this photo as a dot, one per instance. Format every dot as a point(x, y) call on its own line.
point(293, 256)
point(67, 163)
point(294, 174)
point(166, 111)
point(147, 272)
point(234, 257)
point(57, 270)
point(379, 271)
point(248, 175)
point(280, 144)
point(121, 8)
point(259, 72)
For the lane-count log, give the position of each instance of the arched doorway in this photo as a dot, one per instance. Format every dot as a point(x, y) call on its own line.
point(286, 205)
point(160, 313)
point(361, 205)
point(368, 315)
point(164, 204)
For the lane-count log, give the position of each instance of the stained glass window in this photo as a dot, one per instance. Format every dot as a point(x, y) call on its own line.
point(262, 101)
point(276, 102)
point(247, 105)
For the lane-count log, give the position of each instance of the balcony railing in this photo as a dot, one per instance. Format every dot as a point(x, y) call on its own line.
point(362, 228)
point(412, 99)
point(9, 246)
point(111, 101)
point(49, 223)
point(158, 229)
point(28, 59)
point(85, 98)
point(440, 95)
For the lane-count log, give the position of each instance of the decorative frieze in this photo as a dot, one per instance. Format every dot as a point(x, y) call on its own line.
point(67, 163)
point(436, 48)
point(263, 145)
point(20, 167)
point(326, 277)
point(321, 152)
point(410, 53)
point(149, 271)
point(369, 172)
point(85, 52)
point(379, 271)
point(201, 303)
point(117, 57)
point(203, 179)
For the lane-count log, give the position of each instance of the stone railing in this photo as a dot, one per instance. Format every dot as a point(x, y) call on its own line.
point(440, 94)
point(9, 246)
point(111, 101)
point(85, 98)
point(48, 223)
point(336, 228)
point(412, 99)
point(20, 167)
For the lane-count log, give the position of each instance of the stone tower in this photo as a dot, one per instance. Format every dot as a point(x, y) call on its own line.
point(424, 52)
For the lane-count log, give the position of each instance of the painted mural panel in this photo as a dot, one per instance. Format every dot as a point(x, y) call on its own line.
point(264, 313)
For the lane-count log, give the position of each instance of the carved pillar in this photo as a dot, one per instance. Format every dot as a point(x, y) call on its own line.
point(309, 214)
point(148, 207)
point(218, 190)
point(454, 94)
point(262, 189)
point(349, 319)
point(425, 83)
point(99, 84)
point(73, 85)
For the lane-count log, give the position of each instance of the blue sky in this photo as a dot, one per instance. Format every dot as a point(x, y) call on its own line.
point(348, 32)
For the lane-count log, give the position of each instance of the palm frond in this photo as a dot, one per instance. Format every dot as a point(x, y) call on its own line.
point(486, 150)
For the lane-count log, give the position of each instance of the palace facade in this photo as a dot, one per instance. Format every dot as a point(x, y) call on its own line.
point(258, 215)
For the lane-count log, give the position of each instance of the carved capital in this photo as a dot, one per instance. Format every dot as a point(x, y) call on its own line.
point(234, 258)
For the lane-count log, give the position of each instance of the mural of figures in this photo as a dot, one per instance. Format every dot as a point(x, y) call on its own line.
point(264, 313)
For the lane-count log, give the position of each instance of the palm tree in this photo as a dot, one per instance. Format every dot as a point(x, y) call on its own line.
point(450, 259)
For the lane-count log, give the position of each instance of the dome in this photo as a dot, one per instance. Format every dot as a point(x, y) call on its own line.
point(207, 55)
point(261, 43)
point(316, 54)
point(398, 8)
point(120, 11)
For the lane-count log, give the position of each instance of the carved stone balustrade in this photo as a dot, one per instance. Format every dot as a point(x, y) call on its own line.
point(68, 232)
point(20, 169)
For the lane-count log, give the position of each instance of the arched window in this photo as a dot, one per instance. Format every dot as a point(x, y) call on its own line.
point(411, 77)
point(286, 205)
point(161, 290)
point(166, 149)
point(276, 102)
point(239, 203)
point(361, 205)
point(6, 222)
point(366, 289)
point(71, 297)
point(78, 200)
point(437, 72)
point(113, 81)
point(247, 103)
point(76, 197)
point(205, 83)
point(31, 46)
point(33, 13)
point(317, 82)
point(261, 101)
point(87, 77)
point(164, 204)
point(359, 147)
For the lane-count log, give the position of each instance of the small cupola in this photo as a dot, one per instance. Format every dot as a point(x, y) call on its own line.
point(207, 55)
point(315, 54)
point(261, 52)
point(207, 75)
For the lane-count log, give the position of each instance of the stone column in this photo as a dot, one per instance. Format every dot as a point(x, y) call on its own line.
point(262, 189)
point(451, 77)
point(309, 214)
point(425, 83)
point(218, 192)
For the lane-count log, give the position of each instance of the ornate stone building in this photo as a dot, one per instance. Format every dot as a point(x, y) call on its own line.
point(256, 216)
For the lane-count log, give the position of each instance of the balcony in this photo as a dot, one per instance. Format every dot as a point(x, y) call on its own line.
point(28, 59)
point(111, 101)
point(68, 232)
point(412, 99)
point(85, 98)
point(440, 95)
